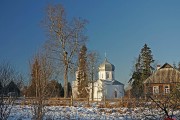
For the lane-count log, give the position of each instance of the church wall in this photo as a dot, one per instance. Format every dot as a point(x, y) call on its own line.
point(97, 91)
point(106, 75)
point(108, 94)
point(110, 91)
point(120, 89)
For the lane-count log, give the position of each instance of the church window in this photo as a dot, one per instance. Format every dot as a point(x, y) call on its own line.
point(115, 94)
point(107, 75)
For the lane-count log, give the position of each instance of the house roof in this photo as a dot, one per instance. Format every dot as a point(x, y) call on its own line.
point(166, 74)
point(166, 65)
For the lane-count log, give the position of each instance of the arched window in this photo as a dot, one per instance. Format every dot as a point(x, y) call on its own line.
point(107, 75)
point(115, 94)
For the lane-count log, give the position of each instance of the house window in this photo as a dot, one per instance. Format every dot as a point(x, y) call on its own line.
point(155, 89)
point(166, 89)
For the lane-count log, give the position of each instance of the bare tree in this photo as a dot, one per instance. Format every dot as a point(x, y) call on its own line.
point(41, 73)
point(93, 61)
point(165, 105)
point(65, 38)
point(7, 74)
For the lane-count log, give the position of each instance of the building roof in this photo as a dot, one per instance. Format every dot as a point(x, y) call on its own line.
point(166, 65)
point(115, 82)
point(106, 66)
point(166, 74)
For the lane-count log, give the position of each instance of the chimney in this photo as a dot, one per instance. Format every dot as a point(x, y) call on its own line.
point(158, 67)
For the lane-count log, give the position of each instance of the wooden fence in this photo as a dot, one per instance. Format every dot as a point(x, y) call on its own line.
point(110, 103)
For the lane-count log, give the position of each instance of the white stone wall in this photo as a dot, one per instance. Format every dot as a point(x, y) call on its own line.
point(110, 91)
point(107, 90)
point(97, 90)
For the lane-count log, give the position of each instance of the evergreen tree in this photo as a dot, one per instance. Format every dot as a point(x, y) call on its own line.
point(82, 73)
point(143, 70)
point(61, 90)
point(1, 87)
point(69, 89)
point(146, 61)
point(174, 65)
point(31, 90)
point(136, 79)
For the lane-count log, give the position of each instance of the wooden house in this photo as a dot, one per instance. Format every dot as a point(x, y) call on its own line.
point(12, 90)
point(162, 81)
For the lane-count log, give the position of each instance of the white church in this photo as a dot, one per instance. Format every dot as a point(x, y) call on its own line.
point(106, 87)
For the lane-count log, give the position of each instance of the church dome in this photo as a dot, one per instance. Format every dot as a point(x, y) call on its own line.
point(106, 66)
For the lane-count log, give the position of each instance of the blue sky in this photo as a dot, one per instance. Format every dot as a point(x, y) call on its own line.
point(118, 27)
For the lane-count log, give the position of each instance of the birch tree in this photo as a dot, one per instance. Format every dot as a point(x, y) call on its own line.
point(65, 39)
point(41, 73)
point(93, 61)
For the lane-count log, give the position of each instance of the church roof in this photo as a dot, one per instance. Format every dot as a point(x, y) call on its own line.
point(106, 66)
point(115, 82)
point(112, 82)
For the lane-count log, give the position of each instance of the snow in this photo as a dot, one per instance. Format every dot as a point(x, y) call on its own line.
point(20, 112)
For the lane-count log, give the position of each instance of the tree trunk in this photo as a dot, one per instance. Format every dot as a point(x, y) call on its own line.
point(66, 81)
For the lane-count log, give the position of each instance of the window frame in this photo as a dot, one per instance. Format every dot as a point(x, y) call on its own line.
point(166, 90)
point(156, 89)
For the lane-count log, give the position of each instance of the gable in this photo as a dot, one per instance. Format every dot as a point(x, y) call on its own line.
point(166, 65)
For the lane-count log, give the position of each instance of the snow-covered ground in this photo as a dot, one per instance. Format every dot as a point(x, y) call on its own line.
point(87, 113)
